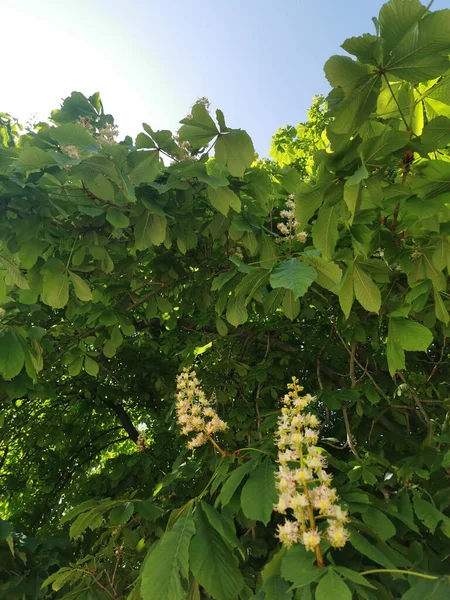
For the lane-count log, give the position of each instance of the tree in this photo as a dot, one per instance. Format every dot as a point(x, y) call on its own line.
point(119, 270)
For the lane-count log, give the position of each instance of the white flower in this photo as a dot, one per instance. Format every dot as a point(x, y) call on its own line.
point(288, 533)
point(337, 535)
point(311, 539)
point(194, 411)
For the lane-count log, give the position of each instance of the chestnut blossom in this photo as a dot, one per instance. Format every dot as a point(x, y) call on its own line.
point(71, 151)
point(288, 227)
point(305, 492)
point(194, 411)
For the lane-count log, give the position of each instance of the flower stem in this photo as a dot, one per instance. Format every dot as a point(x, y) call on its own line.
point(216, 446)
point(400, 571)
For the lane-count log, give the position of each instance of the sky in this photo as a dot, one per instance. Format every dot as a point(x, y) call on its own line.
point(260, 61)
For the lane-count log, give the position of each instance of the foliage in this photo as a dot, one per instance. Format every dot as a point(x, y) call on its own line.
point(122, 263)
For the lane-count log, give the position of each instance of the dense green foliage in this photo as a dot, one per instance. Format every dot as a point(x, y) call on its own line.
point(121, 263)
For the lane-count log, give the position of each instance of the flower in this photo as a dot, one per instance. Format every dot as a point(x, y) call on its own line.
point(287, 228)
point(311, 539)
point(337, 535)
point(288, 533)
point(194, 412)
point(71, 151)
point(303, 483)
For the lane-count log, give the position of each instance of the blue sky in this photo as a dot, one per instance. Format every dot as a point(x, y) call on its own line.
point(260, 61)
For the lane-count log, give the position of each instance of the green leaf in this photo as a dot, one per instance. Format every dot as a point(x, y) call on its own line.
point(55, 288)
point(32, 158)
point(212, 562)
point(12, 356)
point(436, 133)
point(5, 530)
point(362, 545)
point(298, 566)
point(145, 167)
point(251, 283)
point(376, 150)
point(259, 493)
point(346, 293)
point(441, 310)
point(332, 586)
point(223, 198)
point(293, 275)
point(273, 566)
point(353, 576)
point(268, 255)
point(410, 335)
point(91, 366)
point(71, 134)
point(276, 588)
point(427, 513)
point(366, 291)
point(364, 47)
point(121, 514)
point(379, 522)
point(150, 230)
point(235, 150)
point(329, 274)
point(223, 525)
point(420, 55)
point(396, 19)
point(165, 574)
point(359, 102)
point(291, 305)
point(14, 275)
point(343, 71)
point(236, 311)
point(325, 231)
point(395, 356)
point(200, 129)
point(232, 482)
point(81, 288)
point(117, 218)
point(273, 300)
point(102, 188)
point(221, 327)
point(428, 589)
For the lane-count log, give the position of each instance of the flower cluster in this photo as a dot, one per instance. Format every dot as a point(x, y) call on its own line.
point(71, 151)
point(194, 411)
point(302, 481)
point(288, 228)
point(107, 134)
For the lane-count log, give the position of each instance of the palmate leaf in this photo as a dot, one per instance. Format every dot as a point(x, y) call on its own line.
point(166, 570)
point(200, 129)
point(421, 54)
point(236, 151)
point(293, 275)
point(332, 586)
point(212, 562)
point(397, 18)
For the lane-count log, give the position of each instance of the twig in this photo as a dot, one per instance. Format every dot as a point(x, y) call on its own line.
point(348, 431)
point(362, 368)
point(415, 396)
point(438, 363)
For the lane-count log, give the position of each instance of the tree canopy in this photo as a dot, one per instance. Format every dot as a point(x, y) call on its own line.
point(125, 265)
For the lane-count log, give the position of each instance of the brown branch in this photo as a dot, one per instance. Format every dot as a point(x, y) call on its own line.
point(350, 442)
point(415, 397)
point(436, 365)
point(362, 368)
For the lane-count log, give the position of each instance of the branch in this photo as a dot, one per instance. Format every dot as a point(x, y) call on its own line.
point(350, 443)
